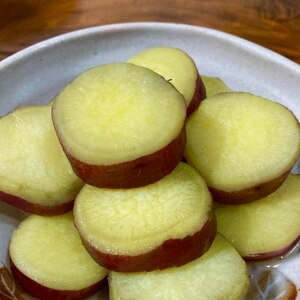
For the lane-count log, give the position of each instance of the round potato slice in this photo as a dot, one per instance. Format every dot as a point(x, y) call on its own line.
point(120, 125)
point(49, 262)
point(265, 228)
point(35, 174)
point(243, 145)
point(167, 223)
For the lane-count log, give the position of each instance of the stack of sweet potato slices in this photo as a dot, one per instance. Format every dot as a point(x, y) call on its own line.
point(132, 170)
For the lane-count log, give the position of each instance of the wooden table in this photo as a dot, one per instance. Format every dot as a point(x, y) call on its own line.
point(274, 24)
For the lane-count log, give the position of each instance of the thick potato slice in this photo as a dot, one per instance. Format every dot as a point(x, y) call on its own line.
point(35, 174)
point(49, 261)
point(264, 228)
point(243, 145)
point(167, 223)
point(120, 125)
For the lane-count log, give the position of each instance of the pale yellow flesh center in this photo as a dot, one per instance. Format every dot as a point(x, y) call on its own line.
point(33, 164)
point(266, 225)
point(135, 221)
point(219, 274)
point(49, 251)
point(174, 65)
point(238, 140)
point(117, 113)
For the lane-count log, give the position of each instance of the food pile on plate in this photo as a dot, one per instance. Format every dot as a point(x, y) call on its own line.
point(148, 174)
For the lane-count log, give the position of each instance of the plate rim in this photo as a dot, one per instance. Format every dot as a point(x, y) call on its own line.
point(241, 42)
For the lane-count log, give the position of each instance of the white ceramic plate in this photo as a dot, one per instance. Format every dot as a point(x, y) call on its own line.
point(36, 74)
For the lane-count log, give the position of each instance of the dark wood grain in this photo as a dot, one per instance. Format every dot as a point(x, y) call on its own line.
point(274, 24)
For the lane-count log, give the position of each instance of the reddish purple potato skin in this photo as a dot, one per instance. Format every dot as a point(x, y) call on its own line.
point(174, 252)
point(34, 208)
point(44, 293)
